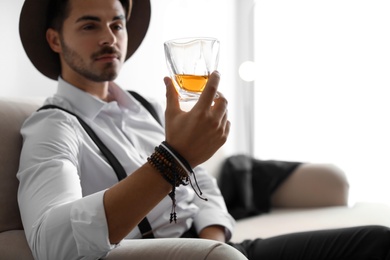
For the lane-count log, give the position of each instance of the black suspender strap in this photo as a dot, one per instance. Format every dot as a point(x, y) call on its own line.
point(146, 104)
point(144, 225)
point(120, 172)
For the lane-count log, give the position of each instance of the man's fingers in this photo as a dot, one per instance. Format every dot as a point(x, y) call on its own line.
point(220, 105)
point(171, 94)
point(209, 93)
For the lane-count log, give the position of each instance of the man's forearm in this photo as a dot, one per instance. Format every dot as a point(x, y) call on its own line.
point(129, 201)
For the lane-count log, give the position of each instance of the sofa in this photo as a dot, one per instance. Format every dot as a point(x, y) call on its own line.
point(13, 244)
point(281, 221)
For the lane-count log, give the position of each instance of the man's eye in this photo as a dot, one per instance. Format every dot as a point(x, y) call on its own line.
point(88, 27)
point(118, 27)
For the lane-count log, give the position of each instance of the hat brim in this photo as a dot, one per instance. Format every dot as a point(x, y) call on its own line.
point(32, 30)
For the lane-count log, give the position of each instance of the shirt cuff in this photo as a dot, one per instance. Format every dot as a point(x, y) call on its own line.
point(89, 224)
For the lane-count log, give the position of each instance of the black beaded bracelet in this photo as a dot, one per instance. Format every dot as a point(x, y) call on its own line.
point(175, 170)
point(171, 172)
point(175, 167)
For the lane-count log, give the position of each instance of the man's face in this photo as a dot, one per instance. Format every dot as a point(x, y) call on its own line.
point(94, 40)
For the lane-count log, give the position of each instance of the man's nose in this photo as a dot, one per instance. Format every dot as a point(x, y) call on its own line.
point(108, 37)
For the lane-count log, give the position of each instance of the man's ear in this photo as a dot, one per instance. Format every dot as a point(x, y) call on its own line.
point(53, 38)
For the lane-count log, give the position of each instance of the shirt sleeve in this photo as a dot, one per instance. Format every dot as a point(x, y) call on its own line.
point(213, 211)
point(59, 222)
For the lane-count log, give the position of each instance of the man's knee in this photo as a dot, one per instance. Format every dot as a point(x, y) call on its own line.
point(336, 181)
point(225, 251)
point(312, 185)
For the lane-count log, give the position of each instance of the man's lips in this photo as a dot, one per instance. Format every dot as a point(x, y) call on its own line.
point(107, 57)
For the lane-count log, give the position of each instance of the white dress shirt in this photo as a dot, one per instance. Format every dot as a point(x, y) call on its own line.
point(63, 176)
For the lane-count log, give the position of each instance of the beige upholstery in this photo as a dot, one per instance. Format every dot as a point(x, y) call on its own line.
point(13, 243)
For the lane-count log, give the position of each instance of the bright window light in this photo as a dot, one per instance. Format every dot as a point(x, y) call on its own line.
point(322, 90)
point(247, 71)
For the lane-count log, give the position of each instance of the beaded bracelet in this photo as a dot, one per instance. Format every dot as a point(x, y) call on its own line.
point(183, 162)
point(171, 172)
point(175, 170)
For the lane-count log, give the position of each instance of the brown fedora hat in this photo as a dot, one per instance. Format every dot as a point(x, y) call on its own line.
point(32, 30)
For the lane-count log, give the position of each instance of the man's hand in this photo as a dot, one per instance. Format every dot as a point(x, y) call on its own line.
point(199, 133)
point(214, 233)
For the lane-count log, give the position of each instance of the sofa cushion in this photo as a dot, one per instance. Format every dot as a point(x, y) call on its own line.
point(289, 220)
point(13, 112)
point(13, 246)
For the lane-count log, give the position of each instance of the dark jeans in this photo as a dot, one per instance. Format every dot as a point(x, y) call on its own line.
point(360, 243)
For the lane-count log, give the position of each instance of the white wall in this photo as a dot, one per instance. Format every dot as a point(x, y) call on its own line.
point(19, 77)
point(322, 87)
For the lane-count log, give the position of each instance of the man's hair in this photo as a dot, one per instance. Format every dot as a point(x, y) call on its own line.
point(59, 10)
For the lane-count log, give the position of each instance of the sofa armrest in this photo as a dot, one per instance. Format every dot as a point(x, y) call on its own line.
point(13, 246)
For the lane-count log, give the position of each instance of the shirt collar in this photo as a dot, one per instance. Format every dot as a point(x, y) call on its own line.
point(89, 106)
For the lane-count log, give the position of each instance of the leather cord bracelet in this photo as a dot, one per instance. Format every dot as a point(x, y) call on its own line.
point(184, 163)
point(175, 170)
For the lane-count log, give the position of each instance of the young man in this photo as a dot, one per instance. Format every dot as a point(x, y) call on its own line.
point(71, 202)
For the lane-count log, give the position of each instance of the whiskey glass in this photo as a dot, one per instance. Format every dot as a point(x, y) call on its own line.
point(190, 62)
